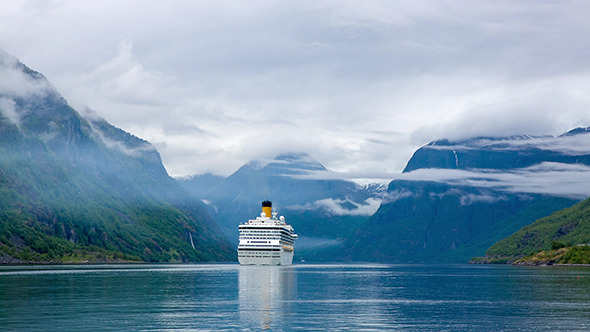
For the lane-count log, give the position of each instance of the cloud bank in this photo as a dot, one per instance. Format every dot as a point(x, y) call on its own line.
point(558, 179)
point(567, 144)
point(338, 207)
point(359, 85)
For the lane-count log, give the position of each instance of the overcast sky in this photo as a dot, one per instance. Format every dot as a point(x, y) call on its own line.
point(358, 85)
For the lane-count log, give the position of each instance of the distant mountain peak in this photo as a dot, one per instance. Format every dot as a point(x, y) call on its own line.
point(296, 161)
point(576, 131)
point(293, 156)
point(440, 142)
point(255, 165)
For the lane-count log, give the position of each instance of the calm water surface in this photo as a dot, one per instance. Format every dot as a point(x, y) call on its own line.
point(299, 297)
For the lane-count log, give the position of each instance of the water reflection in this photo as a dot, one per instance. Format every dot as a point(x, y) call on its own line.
point(264, 294)
point(299, 297)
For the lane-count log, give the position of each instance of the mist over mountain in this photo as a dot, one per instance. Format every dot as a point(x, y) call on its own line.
point(457, 198)
point(322, 211)
point(74, 187)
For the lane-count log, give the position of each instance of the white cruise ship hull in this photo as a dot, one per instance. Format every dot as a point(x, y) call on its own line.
point(265, 258)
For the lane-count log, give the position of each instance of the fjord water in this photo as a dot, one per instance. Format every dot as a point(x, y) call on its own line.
point(298, 297)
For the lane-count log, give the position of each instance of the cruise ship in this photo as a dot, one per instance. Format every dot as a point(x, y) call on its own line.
point(266, 240)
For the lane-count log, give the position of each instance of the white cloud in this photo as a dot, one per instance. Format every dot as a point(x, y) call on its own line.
point(124, 80)
point(533, 109)
point(7, 108)
point(336, 207)
point(136, 151)
point(15, 83)
point(546, 178)
point(395, 195)
point(469, 199)
point(359, 85)
point(567, 144)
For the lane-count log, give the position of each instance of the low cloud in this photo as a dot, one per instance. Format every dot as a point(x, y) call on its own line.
point(565, 144)
point(305, 242)
point(480, 198)
point(8, 110)
point(132, 151)
point(360, 177)
point(558, 179)
point(209, 203)
point(337, 207)
point(395, 195)
point(136, 151)
point(15, 83)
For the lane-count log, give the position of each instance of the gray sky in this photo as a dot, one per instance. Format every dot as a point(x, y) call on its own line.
point(359, 85)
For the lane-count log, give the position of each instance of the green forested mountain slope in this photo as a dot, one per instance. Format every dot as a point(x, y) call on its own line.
point(75, 188)
point(567, 227)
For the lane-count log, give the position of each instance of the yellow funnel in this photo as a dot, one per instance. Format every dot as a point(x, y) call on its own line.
point(267, 208)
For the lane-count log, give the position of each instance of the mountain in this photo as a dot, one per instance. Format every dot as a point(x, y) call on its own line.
point(323, 211)
point(563, 228)
point(199, 185)
point(455, 199)
point(77, 188)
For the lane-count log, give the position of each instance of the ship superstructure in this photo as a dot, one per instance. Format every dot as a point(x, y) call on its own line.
point(266, 240)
